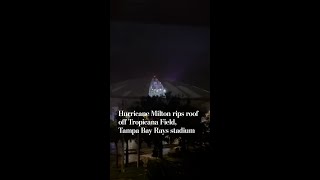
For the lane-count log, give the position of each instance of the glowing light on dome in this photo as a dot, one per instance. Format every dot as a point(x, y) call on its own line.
point(156, 88)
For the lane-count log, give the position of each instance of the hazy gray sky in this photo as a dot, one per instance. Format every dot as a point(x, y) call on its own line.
point(175, 52)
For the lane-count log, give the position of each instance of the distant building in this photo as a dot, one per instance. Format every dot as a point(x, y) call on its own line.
point(124, 94)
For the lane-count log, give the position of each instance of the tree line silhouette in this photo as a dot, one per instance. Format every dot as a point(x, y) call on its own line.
point(200, 139)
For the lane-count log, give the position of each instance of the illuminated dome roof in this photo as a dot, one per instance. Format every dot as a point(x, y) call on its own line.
point(156, 88)
point(124, 93)
point(142, 87)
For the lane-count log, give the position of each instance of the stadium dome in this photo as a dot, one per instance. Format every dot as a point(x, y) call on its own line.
point(124, 93)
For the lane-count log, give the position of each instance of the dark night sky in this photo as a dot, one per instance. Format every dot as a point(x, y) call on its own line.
point(169, 51)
